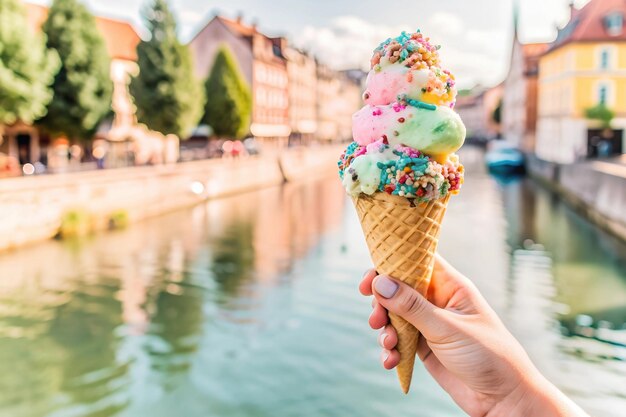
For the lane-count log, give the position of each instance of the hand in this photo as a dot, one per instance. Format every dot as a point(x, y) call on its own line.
point(464, 346)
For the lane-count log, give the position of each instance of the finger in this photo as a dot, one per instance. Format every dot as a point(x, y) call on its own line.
point(379, 317)
point(444, 273)
point(404, 301)
point(365, 287)
point(388, 338)
point(450, 286)
point(390, 358)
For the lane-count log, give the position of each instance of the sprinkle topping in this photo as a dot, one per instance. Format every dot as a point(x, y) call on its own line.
point(409, 173)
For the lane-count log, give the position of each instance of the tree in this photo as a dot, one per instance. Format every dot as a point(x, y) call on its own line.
point(601, 113)
point(82, 88)
point(496, 116)
point(168, 97)
point(229, 100)
point(27, 68)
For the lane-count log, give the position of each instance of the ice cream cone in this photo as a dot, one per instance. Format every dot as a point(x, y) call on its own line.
point(402, 238)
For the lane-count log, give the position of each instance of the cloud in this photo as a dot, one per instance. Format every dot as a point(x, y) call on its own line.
point(447, 23)
point(190, 17)
point(474, 55)
point(347, 42)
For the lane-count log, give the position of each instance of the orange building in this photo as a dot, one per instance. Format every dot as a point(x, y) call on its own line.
point(262, 61)
point(302, 72)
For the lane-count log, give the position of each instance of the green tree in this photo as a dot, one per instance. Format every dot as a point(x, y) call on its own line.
point(496, 116)
point(82, 88)
point(27, 68)
point(601, 113)
point(229, 100)
point(168, 96)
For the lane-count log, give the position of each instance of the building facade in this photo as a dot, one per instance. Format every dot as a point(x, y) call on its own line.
point(28, 145)
point(584, 67)
point(338, 98)
point(519, 99)
point(302, 73)
point(263, 63)
point(477, 111)
point(351, 84)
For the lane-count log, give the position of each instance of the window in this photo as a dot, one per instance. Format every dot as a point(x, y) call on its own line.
point(605, 93)
point(605, 58)
point(261, 74)
point(614, 23)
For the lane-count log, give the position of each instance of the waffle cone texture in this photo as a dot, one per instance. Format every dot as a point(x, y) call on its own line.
point(402, 239)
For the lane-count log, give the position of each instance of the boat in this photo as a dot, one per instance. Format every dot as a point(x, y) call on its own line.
point(505, 160)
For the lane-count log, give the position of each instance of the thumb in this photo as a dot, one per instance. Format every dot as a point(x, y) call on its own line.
point(409, 304)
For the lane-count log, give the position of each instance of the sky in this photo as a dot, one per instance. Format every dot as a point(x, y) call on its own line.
point(475, 35)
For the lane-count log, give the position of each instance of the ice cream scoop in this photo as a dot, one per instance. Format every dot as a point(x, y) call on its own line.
point(435, 131)
point(386, 84)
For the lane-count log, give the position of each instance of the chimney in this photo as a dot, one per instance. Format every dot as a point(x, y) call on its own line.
point(239, 17)
point(255, 24)
point(572, 9)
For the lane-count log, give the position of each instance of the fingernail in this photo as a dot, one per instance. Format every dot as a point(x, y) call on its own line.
point(385, 287)
point(365, 274)
point(382, 338)
point(385, 355)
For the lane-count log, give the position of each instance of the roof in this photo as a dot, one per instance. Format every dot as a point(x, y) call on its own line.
point(589, 23)
point(120, 37)
point(237, 27)
point(249, 34)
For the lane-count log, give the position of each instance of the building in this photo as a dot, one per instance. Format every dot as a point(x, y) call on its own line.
point(477, 108)
point(519, 99)
point(302, 73)
point(263, 63)
point(349, 102)
point(584, 67)
point(27, 144)
point(338, 98)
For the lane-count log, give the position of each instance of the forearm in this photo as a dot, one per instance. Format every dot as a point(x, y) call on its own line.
point(537, 397)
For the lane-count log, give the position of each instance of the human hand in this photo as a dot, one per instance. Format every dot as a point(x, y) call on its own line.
point(464, 346)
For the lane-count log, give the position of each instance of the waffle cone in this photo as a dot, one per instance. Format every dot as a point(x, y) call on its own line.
point(402, 239)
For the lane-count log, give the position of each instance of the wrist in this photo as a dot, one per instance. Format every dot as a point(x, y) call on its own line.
point(536, 396)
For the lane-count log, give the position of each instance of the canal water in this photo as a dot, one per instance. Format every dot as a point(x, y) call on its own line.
point(248, 306)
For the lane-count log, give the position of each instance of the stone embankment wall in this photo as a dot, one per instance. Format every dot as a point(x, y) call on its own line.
point(597, 189)
point(42, 207)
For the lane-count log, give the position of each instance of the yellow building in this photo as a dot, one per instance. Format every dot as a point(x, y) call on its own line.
point(584, 67)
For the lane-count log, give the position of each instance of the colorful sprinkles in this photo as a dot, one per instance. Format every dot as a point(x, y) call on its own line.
point(415, 51)
point(411, 174)
point(403, 99)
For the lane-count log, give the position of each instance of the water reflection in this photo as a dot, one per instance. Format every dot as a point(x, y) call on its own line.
point(108, 323)
point(577, 274)
point(234, 257)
